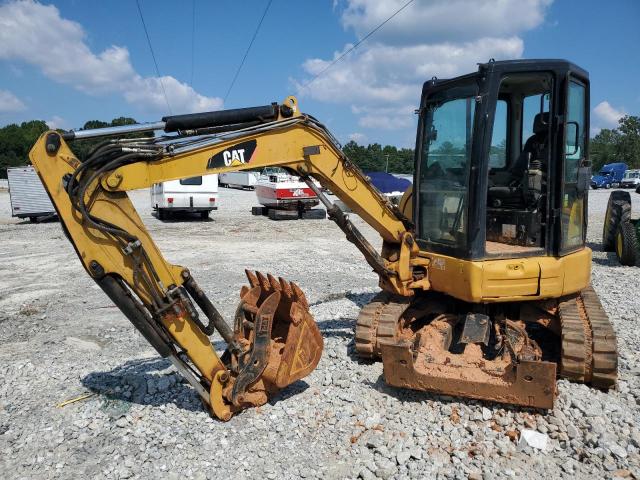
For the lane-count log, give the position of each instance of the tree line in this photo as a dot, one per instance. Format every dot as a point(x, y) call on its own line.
point(16, 140)
point(621, 144)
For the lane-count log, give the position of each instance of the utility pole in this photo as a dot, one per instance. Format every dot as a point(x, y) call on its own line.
point(386, 169)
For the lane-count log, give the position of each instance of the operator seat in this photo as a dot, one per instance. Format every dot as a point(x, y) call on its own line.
point(535, 149)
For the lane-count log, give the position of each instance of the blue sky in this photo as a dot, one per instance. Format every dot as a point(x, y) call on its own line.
point(73, 61)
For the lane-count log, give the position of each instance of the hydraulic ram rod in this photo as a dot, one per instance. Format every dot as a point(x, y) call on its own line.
point(109, 131)
point(189, 121)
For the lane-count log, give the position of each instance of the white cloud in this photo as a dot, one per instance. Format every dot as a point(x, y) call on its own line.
point(357, 137)
point(38, 35)
point(442, 38)
point(385, 118)
point(437, 21)
point(57, 122)
point(148, 91)
point(607, 116)
point(10, 103)
point(390, 74)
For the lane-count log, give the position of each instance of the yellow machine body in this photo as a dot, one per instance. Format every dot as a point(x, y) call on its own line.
point(275, 340)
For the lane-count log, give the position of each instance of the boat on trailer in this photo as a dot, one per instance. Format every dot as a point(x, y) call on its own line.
point(278, 189)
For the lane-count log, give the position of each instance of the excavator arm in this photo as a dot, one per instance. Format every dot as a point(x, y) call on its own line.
point(274, 340)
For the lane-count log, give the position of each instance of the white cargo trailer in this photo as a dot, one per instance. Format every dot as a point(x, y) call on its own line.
point(244, 180)
point(193, 194)
point(28, 197)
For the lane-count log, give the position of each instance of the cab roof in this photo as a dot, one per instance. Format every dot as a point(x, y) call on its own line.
point(516, 66)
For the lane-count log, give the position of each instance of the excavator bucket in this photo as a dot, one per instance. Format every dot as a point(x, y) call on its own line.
point(277, 341)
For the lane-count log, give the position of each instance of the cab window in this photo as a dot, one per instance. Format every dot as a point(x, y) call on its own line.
point(444, 168)
point(498, 152)
point(573, 202)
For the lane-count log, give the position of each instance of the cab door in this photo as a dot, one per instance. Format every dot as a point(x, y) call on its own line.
point(575, 165)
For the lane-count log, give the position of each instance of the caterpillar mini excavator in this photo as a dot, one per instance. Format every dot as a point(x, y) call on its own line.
point(484, 271)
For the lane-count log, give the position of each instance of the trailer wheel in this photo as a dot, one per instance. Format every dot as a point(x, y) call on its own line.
point(618, 211)
point(204, 215)
point(627, 244)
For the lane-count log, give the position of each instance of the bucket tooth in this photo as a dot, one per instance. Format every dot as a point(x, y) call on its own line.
point(275, 286)
point(253, 280)
point(286, 288)
point(263, 281)
point(299, 295)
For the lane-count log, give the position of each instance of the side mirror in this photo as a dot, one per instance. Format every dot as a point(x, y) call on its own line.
point(573, 132)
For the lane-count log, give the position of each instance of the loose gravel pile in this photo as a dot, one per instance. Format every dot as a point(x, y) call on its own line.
point(60, 338)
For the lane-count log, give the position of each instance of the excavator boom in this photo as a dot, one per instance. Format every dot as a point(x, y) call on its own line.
point(274, 340)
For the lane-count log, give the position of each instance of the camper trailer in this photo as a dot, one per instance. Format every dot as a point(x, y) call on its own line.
point(192, 195)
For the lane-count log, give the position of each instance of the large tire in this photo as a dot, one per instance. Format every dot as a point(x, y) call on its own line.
point(627, 244)
point(204, 215)
point(618, 210)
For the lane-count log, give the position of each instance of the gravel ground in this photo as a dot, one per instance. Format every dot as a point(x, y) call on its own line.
point(61, 337)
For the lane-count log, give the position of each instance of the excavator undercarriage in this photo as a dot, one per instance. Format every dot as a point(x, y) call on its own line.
point(508, 353)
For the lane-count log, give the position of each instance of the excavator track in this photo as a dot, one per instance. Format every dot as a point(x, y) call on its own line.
point(377, 321)
point(589, 352)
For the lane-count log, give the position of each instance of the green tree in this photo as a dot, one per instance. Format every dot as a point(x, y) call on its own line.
point(629, 144)
point(16, 141)
point(603, 148)
point(620, 144)
point(373, 157)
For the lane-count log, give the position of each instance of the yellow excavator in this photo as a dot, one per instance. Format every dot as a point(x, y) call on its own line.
point(484, 272)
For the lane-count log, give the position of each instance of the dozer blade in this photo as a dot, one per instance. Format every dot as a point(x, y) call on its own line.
point(278, 339)
point(423, 348)
point(530, 383)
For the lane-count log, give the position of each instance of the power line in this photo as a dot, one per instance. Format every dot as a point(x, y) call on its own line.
point(235, 77)
point(193, 38)
point(144, 25)
point(362, 40)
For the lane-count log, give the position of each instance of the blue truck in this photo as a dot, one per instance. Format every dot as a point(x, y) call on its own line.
point(610, 175)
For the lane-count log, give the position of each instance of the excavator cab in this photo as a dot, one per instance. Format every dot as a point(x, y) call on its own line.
point(502, 167)
point(500, 212)
point(501, 161)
